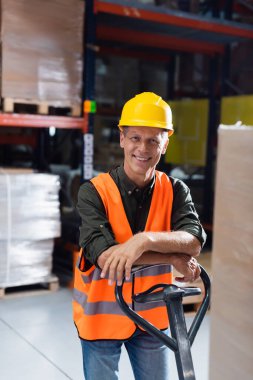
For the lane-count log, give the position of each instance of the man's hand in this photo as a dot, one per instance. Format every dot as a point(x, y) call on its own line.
point(187, 266)
point(119, 259)
point(103, 257)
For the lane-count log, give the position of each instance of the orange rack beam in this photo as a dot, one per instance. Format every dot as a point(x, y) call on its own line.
point(41, 121)
point(159, 41)
point(181, 19)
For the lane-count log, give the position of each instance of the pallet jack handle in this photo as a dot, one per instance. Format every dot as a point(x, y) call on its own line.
point(181, 339)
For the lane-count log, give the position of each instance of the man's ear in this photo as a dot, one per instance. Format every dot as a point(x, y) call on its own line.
point(121, 139)
point(165, 146)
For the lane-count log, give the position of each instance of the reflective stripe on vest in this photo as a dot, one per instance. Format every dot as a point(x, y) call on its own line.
point(96, 312)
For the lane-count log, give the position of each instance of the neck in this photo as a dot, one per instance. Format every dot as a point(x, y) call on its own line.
point(140, 180)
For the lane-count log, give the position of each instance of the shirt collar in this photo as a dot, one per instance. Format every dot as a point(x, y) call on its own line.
point(130, 186)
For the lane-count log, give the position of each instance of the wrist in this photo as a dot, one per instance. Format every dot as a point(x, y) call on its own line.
point(145, 241)
point(172, 259)
point(149, 240)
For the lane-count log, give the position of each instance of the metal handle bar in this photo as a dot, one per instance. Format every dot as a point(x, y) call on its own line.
point(158, 295)
point(171, 291)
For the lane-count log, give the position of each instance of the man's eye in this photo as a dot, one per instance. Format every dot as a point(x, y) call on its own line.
point(134, 139)
point(154, 142)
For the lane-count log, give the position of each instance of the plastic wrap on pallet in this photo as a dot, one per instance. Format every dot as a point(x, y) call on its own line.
point(27, 262)
point(29, 206)
point(29, 220)
point(42, 50)
point(231, 351)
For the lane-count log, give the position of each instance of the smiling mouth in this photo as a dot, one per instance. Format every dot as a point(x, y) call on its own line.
point(141, 159)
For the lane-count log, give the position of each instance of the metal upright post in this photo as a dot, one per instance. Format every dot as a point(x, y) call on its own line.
point(89, 104)
point(214, 114)
point(212, 129)
point(171, 67)
point(41, 163)
point(228, 10)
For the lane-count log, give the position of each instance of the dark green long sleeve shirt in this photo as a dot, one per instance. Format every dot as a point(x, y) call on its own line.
point(95, 232)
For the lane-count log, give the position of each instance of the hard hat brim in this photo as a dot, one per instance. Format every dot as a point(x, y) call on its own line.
point(165, 127)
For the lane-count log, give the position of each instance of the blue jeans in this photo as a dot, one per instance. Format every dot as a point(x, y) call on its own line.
point(148, 356)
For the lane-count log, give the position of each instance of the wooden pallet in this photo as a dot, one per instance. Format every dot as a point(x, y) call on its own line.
point(34, 106)
point(48, 284)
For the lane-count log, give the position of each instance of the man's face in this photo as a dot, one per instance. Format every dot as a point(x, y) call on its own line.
point(143, 147)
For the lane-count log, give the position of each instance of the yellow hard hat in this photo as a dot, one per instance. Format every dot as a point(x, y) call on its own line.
point(147, 110)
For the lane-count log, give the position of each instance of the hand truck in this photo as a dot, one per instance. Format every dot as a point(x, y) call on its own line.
point(181, 340)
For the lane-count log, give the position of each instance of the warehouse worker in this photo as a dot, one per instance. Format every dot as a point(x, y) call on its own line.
point(132, 215)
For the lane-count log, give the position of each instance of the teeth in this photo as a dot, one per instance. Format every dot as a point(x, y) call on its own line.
point(142, 159)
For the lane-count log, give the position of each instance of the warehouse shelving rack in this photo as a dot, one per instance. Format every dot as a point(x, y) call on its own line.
point(40, 123)
point(131, 28)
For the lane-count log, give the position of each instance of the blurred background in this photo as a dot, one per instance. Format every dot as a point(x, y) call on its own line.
point(67, 68)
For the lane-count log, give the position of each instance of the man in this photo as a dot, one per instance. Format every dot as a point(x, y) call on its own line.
point(132, 215)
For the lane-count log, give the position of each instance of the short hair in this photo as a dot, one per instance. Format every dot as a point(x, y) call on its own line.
point(165, 133)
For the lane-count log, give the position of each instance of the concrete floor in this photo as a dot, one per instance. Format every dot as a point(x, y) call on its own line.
point(39, 340)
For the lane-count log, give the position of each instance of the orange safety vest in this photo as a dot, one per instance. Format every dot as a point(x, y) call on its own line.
point(96, 312)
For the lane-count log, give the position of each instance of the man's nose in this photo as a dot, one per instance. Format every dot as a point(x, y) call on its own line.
point(143, 146)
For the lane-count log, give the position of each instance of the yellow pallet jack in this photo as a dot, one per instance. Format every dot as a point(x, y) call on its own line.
point(181, 340)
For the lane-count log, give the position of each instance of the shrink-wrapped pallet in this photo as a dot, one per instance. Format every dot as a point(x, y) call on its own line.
point(29, 221)
point(42, 50)
point(231, 353)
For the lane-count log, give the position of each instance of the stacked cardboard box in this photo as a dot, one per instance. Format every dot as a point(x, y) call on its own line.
point(29, 221)
point(42, 50)
point(231, 354)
